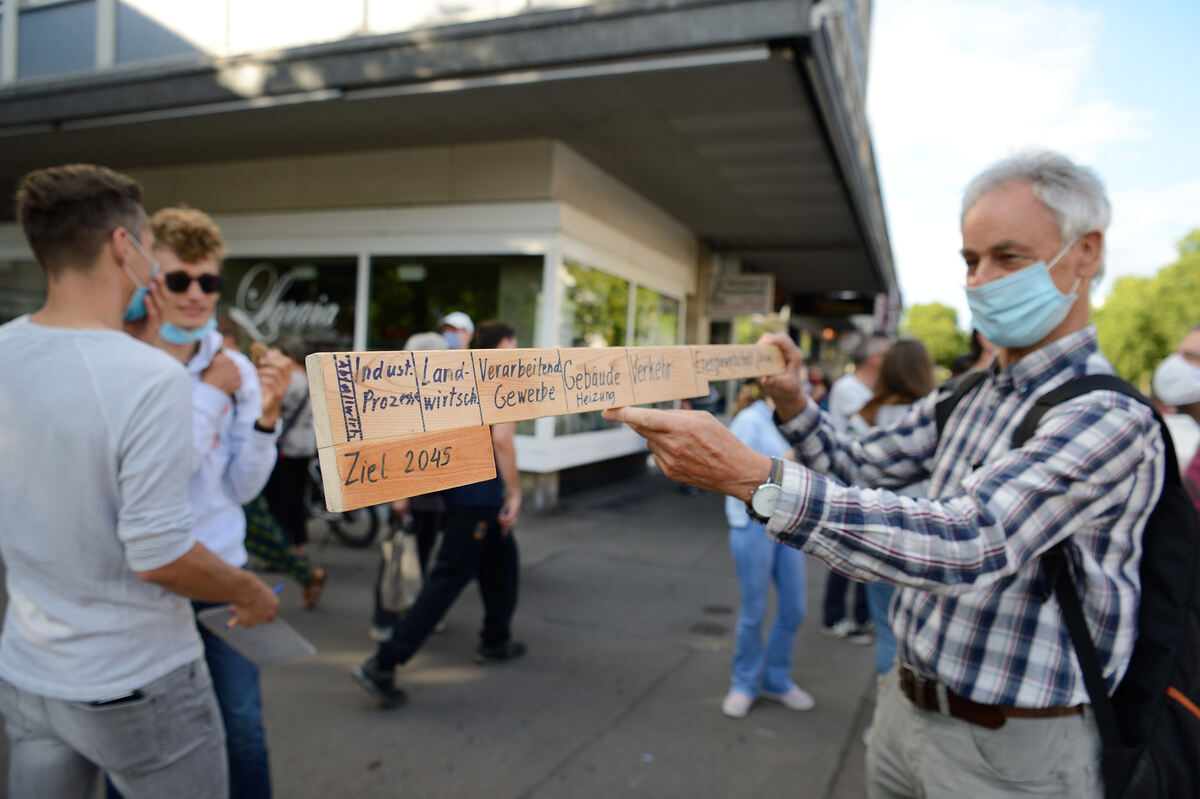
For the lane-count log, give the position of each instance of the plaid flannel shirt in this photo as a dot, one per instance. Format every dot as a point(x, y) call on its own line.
point(972, 609)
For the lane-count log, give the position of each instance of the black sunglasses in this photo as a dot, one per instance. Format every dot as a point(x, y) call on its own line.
point(179, 282)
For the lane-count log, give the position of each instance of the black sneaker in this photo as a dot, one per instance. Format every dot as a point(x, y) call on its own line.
point(498, 654)
point(379, 683)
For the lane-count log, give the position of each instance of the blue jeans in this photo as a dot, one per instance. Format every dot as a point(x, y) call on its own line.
point(235, 681)
point(879, 597)
point(761, 561)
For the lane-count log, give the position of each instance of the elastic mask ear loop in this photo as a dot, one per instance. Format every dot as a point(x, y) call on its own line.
point(153, 266)
point(132, 276)
point(1054, 262)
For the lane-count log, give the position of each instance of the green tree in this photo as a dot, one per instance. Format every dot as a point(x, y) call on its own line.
point(1143, 319)
point(936, 326)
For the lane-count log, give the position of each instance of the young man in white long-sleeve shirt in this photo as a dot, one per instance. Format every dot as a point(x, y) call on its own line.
point(100, 665)
point(235, 415)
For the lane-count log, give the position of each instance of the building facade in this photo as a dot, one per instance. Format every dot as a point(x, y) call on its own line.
point(596, 174)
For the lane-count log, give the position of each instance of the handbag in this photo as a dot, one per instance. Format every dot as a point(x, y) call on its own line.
point(401, 580)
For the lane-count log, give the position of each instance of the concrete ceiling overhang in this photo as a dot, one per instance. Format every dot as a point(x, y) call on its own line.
point(726, 136)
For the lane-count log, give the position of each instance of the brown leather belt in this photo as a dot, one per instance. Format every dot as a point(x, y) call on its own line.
point(923, 692)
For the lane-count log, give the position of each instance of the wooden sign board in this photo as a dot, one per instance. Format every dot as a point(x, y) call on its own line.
point(399, 424)
point(374, 472)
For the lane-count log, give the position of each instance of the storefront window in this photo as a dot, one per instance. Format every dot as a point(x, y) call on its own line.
point(312, 298)
point(22, 288)
point(411, 294)
point(594, 313)
point(595, 307)
point(656, 319)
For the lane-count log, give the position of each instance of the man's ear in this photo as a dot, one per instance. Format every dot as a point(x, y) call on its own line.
point(118, 245)
point(1091, 251)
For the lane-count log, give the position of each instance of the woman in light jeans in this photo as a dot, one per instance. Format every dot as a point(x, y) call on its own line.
point(758, 670)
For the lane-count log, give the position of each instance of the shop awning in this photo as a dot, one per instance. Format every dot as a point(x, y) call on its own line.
point(727, 115)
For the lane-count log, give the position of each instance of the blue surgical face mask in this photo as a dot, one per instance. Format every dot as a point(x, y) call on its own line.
point(182, 335)
point(1021, 309)
point(135, 309)
point(453, 338)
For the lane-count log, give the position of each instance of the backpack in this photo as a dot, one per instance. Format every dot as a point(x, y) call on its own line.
point(1150, 726)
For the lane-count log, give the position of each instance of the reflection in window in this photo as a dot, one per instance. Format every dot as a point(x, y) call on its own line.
point(411, 294)
point(55, 39)
point(595, 308)
point(656, 319)
point(142, 36)
point(312, 298)
point(594, 313)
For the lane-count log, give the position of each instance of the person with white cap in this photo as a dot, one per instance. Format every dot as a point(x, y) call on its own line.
point(1176, 384)
point(457, 329)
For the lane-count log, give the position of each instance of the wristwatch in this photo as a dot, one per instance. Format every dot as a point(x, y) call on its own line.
point(763, 499)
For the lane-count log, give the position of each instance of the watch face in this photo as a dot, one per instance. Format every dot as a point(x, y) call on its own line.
point(765, 498)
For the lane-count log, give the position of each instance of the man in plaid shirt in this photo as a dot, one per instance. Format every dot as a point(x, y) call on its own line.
point(989, 699)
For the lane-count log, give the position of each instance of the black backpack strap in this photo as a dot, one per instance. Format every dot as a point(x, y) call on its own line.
point(1058, 574)
point(1083, 385)
point(1054, 563)
point(955, 390)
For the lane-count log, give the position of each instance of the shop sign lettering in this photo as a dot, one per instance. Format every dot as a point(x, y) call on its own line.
point(261, 310)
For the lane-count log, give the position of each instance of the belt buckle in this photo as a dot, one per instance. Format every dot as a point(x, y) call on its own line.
point(921, 684)
point(912, 673)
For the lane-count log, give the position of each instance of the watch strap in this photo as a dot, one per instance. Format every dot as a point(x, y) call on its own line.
point(774, 477)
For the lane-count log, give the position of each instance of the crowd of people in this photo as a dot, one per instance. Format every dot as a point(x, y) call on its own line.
point(932, 516)
point(105, 668)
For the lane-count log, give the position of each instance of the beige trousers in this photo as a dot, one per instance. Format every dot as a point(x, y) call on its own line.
point(919, 753)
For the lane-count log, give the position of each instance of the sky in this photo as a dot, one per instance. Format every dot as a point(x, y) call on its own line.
point(954, 85)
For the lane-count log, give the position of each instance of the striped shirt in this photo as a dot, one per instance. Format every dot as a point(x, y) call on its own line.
point(972, 610)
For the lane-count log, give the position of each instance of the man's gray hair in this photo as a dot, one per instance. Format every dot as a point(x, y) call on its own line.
point(1073, 193)
point(871, 345)
point(426, 341)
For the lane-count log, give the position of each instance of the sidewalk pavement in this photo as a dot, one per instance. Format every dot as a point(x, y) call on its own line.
point(628, 603)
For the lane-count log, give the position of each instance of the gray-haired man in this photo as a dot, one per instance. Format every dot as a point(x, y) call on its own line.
point(989, 699)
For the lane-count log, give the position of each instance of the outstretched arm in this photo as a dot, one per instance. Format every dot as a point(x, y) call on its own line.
point(693, 447)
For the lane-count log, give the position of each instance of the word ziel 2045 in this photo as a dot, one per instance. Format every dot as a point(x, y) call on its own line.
point(376, 472)
point(360, 471)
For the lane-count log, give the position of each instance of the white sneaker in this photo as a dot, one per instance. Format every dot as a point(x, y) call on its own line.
point(736, 704)
point(840, 628)
point(796, 698)
point(851, 633)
